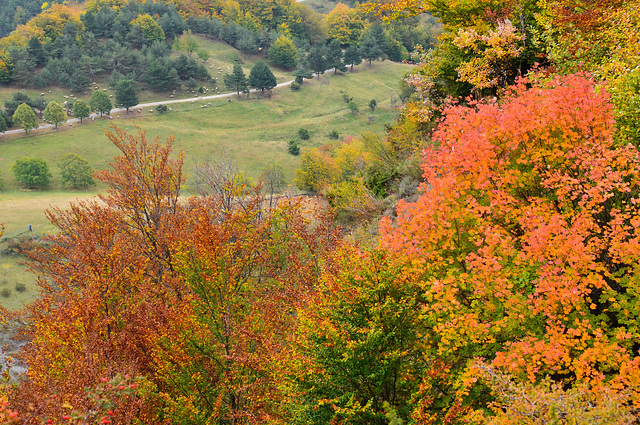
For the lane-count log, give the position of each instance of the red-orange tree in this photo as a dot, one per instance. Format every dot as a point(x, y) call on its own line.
point(526, 238)
point(194, 297)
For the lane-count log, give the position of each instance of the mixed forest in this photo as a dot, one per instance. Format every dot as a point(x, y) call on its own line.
point(474, 264)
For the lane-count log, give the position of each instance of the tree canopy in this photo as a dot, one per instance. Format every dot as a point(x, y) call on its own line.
point(261, 77)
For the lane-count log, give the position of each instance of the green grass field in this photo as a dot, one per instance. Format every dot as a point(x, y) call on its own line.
point(254, 132)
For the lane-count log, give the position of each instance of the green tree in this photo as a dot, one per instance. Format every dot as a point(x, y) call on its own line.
point(301, 73)
point(247, 45)
point(54, 113)
point(33, 173)
point(318, 59)
point(261, 77)
point(373, 104)
point(36, 51)
point(283, 52)
point(370, 49)
point(25, 117)
point(81, 110)
point(186, 42)
point(75, 172)
point(236, 81)
point(126, 94)
point(3, 124)
point(335, 57)
point(352, 56)
point(100, 102)
point(162, 77)
point(203, 55)
point(353, 107)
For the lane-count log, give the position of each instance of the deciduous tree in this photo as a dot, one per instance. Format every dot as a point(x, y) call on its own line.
point(283, 52)
point(525, 240)
point(76, 173)
point(25, 117)
point(54, 113)
point(81, 110)
point(100, 102)
point(32, 173)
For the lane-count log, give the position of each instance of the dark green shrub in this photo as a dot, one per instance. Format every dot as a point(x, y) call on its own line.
point(303, 133)
point(294, 149)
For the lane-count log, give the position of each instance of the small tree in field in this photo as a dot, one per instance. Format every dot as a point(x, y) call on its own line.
point(81, 110)
point(32, 173)
point(261, 77)
point(76, 172)
point(25, 117)
point(100, 102)
point(236, 81)
point(3, 124)
point(126, 94)
point(54, 113)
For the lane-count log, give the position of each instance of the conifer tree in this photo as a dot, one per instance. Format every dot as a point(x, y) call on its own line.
point(261, 77)
point(236, 81)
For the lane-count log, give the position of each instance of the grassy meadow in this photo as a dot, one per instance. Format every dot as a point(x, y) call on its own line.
point(254, 132)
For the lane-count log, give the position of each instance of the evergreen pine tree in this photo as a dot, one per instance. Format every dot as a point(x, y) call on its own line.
point(236, 81)
point(334, 58)
point(261, 77)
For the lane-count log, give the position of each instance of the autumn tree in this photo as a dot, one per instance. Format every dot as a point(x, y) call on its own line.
point(524, 239)
point(192, 297)
point(283, 53)
point(360, 336)
point(150, 29)
point(344, 24)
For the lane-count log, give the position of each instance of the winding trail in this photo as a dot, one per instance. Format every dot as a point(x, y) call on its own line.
point(144, 105)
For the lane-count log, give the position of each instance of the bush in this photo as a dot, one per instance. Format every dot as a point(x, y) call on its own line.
point(161, 109)
point(76, 172)
point(5, 292)
point(295, 86)
point(33, 173)
point(353, 107)
point(334, 135)
point(21, 287)
point(294, 149)
point(303, 133)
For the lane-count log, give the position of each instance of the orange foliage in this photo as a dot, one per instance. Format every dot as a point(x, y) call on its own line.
point(193, 297)
point(527, 237)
